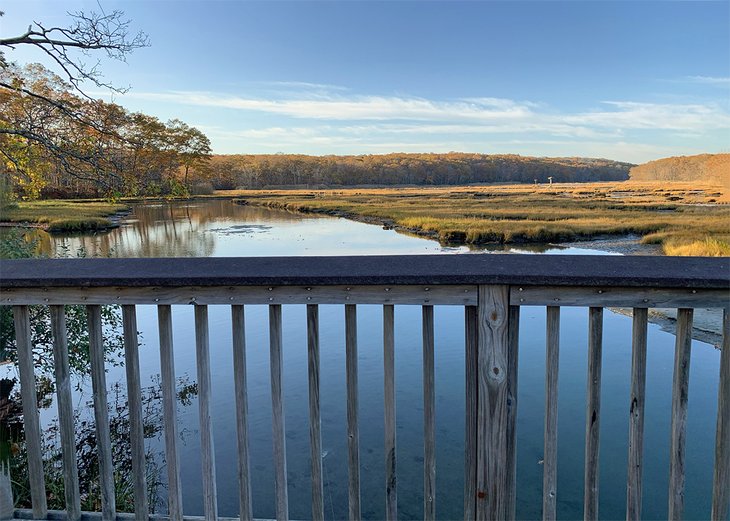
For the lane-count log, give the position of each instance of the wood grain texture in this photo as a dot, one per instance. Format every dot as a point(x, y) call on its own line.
point(471, 329)
point(391, 482)
point(353, 433)
point(493, 352)
point(65, 413)
point(134, 399)
point(636, 415)
point(238, 328)
point(169, 413)
point(31, 423)
point(512, 366)
point(207, 453)
point(225, 294)
point(101, 414)
point(721, 478)
point(277, 410)
point(593, 413)
point(315, 421)
point(550, 455)
point(429, 417)
point(617, 297)
point(680, 394)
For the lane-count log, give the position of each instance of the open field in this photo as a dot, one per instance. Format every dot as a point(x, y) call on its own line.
point(686, 219)
point(55, 215)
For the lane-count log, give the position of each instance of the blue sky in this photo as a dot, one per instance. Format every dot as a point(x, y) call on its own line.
point(625, 80)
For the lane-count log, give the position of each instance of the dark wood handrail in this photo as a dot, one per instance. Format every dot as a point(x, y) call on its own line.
point(511, 269)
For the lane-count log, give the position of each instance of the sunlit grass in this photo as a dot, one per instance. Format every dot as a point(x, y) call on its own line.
point(707, 247)
point(662, 213)
point(56, 215)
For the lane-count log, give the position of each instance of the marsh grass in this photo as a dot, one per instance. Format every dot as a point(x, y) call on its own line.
point(662, 213)
point(55, 215)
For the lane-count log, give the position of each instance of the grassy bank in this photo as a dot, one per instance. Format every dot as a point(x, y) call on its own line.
point(683, 218)
point(54, 215)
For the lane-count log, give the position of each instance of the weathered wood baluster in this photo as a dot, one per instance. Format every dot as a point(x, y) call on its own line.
point(207, 456)
point(493, 375)
point(101, 414)
point(680, 390)
point(721, 481)
point(65, 414)
point(277, 409)
point(169, 406)
point(471, 329)
point(391, 483)
point(315, 422)
point(593, 413)
point(512, 362)
point(550, 456)
point(31, 421)
point(134, 398)
point(636, 415)
point(429, 418)
point(240, 389)
point(353, 436)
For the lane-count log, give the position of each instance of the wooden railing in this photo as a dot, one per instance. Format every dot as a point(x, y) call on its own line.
point(492, 288)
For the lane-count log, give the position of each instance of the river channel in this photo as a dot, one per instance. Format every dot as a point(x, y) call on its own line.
point(221, 228)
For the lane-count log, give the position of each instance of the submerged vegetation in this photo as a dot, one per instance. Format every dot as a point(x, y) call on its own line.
point(681, 217)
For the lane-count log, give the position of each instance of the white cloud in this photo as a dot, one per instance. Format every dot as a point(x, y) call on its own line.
point(710, 80)
point(353, 108)
point(655, 116)
point(473, 115)
point(306, 118)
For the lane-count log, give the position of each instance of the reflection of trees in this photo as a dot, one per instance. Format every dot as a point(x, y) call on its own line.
point(86, 447)
point(169, 230)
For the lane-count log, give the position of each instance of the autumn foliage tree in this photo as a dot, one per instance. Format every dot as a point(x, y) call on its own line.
point(55, 139)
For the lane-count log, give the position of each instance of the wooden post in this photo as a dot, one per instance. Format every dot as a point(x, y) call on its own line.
point(31, 420)
point(721, 482)
point(277, 410)
point(493, 374)
point(512, 362)
point(680, 395)
point(593, 413)
point(315, 421)
point(636, 416)
point(169, 406)
point(471, 329)
point(240, 390)
point(134, 398)
point(101, 414)
point(429, 418)
point(391, 484)
point(353, 436)
point(65, 414)
point(550, 453)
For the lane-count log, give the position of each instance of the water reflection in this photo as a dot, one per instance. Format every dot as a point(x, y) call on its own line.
point(220, 228)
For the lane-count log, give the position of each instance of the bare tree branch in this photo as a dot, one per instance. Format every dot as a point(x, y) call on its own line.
point(88, 32)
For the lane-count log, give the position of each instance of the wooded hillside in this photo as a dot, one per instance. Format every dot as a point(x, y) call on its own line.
point(704, 168)
point(258, 171)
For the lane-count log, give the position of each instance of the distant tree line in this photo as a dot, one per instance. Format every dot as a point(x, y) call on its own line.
point(258, 171)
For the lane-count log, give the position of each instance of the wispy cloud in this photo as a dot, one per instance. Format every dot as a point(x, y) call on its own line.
point(307, 117)
point(709, 80)
point(473, 115)
point(344, 108)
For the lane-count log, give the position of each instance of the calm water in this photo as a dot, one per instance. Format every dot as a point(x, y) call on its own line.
point(219, 228)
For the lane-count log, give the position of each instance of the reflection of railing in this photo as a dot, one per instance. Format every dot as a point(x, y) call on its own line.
point(491, 287)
